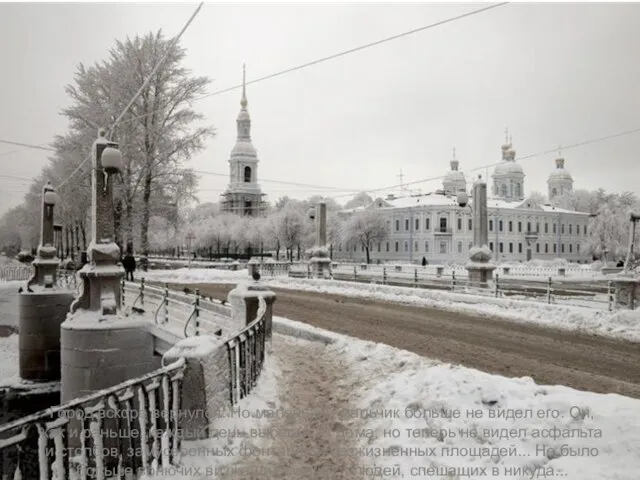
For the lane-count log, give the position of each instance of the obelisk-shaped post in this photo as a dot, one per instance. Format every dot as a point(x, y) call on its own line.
point(321, 224)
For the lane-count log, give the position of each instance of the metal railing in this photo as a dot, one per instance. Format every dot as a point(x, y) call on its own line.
point(21, 273)
point(246, 355)
point(551, 291)
point(191, 315)
point(143, 413)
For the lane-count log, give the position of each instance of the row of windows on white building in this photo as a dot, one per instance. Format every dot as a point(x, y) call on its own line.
point(443, 228)
point(444, 246)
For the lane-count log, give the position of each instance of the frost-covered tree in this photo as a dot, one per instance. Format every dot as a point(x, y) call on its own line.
point(289, 228)
point(609, 228)
point(537, 197)
point(365, 228)
point(362, 199)
point(157, 136)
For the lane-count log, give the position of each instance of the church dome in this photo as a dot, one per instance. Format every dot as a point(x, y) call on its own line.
point(243, 148)
point(508, 168)
point(454, 181)
point(560, 174)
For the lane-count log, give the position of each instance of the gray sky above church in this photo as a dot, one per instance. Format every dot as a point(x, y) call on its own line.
point(554, 74)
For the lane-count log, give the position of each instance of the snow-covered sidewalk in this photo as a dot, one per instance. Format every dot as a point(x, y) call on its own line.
point(356, 409)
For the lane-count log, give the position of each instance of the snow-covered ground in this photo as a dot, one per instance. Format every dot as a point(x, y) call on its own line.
point(8, 357)
point(623, 324)
point(9, 302)
point(419, 418)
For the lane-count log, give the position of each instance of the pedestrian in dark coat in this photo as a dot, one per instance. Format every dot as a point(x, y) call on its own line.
point(129, 264)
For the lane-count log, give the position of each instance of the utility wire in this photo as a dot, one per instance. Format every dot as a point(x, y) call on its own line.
point(343, 53)
point(146, 82)
point(28, 145)
point(282, 72)
point(484, 167)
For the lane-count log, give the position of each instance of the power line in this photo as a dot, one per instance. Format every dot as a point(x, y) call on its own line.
point(28, 145)
point(282, 72)
point(296, 184)
point(341, 54)
point(483, 167)
point(146, 82)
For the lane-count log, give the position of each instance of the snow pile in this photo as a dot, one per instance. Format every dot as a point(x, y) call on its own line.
point(516, 425)
point(625, 325)
point(556, 430)
point(196, 275)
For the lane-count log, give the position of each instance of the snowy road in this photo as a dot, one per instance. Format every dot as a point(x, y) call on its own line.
point(549, 356)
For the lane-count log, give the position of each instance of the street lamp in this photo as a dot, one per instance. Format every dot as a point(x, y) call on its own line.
point(190, 237)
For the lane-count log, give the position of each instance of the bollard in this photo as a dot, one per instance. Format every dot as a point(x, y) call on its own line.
point(308, 271)
point(384, 275)
point(142, 291)
point(415, 278)
point(549, 290)
point(609, 296)
point(166, 303)
point(197, 311)
point(497, 285)
point(453, 280)
point(355, 274)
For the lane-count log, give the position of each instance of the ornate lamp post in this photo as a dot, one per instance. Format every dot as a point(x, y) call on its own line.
point(46, 262)
point(118, 345)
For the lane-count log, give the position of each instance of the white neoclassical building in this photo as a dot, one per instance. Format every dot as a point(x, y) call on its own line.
point(435, 227)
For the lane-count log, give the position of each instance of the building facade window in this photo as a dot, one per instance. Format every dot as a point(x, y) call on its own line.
point(426, 246)
point(387, 246)
point(510, 226)
point(510, 247)
point(397, 225)
point(519, 227)
point(443, 224)
point(519, 247)
point(397, 246)
point(417, 227)
point(247, 174)
point(470, 224)
point(501, 246)
point(491, 225)
point(546, 248)
point(406, 224)
point(537, 248)
point(459, 224)
point(500, 225)
point(426, 223)
point(443, 247)
point(415, 246)
point(406, 246)
point(459, 247)
point(491, 246)
point(546, 228)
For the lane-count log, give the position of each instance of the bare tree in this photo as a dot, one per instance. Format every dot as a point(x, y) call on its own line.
point(365, 228)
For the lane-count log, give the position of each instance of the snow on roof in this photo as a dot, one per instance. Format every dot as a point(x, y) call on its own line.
point(441, 199)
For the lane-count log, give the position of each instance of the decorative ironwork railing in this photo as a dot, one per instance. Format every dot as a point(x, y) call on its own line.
point(123, 431)
point(22, 273)
point(191, 315)
point(246, 355)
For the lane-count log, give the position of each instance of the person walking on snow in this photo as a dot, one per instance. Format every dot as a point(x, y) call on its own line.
point(129, 264)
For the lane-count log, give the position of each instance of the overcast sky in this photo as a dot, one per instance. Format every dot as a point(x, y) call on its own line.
point(554, 74)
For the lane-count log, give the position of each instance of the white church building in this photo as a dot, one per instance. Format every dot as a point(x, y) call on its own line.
point(435, 227)
point(243, 195)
